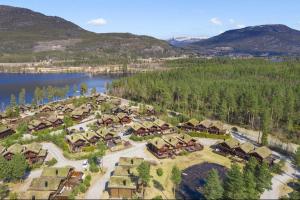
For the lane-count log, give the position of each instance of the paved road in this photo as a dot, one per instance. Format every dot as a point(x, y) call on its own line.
point(57, 153)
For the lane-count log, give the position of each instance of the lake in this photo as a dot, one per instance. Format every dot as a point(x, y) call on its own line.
point(11, 83)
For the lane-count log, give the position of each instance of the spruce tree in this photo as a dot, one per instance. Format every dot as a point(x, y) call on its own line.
point(263, 177)
point(175, 177)
point(5, 170)
point(18, 166)
point(234, 183)
point(213, 188)
point(250, 186)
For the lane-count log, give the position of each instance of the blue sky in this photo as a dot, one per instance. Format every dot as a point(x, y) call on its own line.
point(168, 18)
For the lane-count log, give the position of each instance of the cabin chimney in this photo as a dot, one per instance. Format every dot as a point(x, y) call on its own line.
point(46, 183)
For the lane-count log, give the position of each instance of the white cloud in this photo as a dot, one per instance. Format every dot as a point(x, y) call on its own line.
point(240, 26)
point(216, 21)
point(231, 21)
point(97, 22)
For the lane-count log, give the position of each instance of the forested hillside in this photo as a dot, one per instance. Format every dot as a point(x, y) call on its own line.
point(256, 93)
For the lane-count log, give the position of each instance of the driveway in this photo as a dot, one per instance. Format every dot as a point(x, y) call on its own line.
point(57, 153)
point(109, 161)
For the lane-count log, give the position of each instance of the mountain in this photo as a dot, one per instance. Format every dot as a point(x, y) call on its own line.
point(26, 35)
point(184, 41)
point(264, 40)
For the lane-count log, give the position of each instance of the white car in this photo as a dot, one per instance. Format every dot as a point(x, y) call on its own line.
point(85, 164)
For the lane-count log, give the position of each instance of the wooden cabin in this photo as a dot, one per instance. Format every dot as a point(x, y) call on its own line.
point(80, 113)
point(263, 154)
point(37, 125)
point(13, 150)
point(91, 137)
point(159, 148)
point(217, 128)
point(123, 187)
point(55, 121)
point(107, 120)
point(176, 143)
point(5, 131)
point(107, 134)
point(3, 115)
point(76, 141)
point(34, 153)
point(162, 125)
point(101, 99)
point(150, 110)
point(228, 146)
point(46, 108)
point(243, 150)
point(204, 125)
point(125, 171)
point(190, 125)
point(68, 108)
point(138, 129)
point(59, 107)
point(151, 127)
point(123, 118)
point(189, 143)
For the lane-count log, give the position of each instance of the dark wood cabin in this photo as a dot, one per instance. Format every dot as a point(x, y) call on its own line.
point(159, 148)
point(5, 131)
point(76, 142)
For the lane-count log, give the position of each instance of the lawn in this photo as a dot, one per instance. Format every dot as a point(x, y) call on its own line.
point(206, 155)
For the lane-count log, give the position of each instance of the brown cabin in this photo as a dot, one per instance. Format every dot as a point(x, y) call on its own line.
point(217, 128)
point(159, 148)
point(243, 150)
point(123, 118)
point(76, 142)
point(228, 146)
point(37, 125)
point(122, 187)
point(106, 120)
point(46, 108)
point(263, 154)
point(55, 121)
point(34, 153)
point(5, 131)
point(139, 129)
point(13, 150)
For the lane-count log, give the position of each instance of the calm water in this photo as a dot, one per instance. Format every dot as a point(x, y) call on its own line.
point(13, 83)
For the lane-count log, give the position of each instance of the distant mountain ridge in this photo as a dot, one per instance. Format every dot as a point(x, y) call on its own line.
point(27, 35)
point(184, 41)
point(263, 40)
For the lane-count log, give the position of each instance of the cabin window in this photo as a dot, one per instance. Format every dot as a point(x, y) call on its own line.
point(46, 183)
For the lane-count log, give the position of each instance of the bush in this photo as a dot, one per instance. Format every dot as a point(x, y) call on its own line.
point(88, 177)
point(277, 167)
point(94, 168)
point(51, 162)
point(82, 188)
point(88, 149)
point(158, 197)
point(159, 172)
point(208, 135)
point(142, 138)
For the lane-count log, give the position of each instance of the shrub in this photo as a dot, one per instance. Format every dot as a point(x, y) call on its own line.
point(158, 197)
point(88, 177)
point(51, 162)
point(159, 172)
point(94, 168)
point(140, 138)
point(89, 149)
point(86, 182)
point(82, 188)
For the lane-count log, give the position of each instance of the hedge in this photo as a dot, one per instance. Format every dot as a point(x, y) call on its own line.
point(208, 135)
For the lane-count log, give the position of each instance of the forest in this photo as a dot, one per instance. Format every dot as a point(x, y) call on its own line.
point(254, 93)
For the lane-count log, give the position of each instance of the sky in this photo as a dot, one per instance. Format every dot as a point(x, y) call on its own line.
point(167, 18)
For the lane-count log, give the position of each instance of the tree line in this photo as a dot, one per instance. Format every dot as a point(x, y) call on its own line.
point(248, 183)
point(255, 93)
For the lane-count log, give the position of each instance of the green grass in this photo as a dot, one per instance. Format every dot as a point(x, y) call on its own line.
point(208, 135)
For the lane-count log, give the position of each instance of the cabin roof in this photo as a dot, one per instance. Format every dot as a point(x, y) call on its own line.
point(160, 122)
point(232, 143)
point(36, 194)
point(136, 126)
point(218, 125)
point(125, 171)
point(15, 149)
point(45, 183)
point(185, 138)
point(247, 147)
point(4, 128)
point(105, 131)
point(148, 124)
point(127, 161)
point(75, 137)
point(158, 142)
point(89, 135)
point(52, 118)
point(171, 140)
point(263, 152)
point(206, 123)
point(107, 117)
point(122, 115)
point(193, 121)
point(121, 182)
point(34, 147)
point(61, 172)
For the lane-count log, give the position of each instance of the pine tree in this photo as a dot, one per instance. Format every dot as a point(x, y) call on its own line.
point(251, 165)
point(83, 89)
point(263, 177)
point(5, 170)
point(250, 186)
point(265, 127)
point(213, 188)
point(13, 101)
point(18, 166)
point(175, 177)
point(144, 172)
point(234, 183)
point(22, 95)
